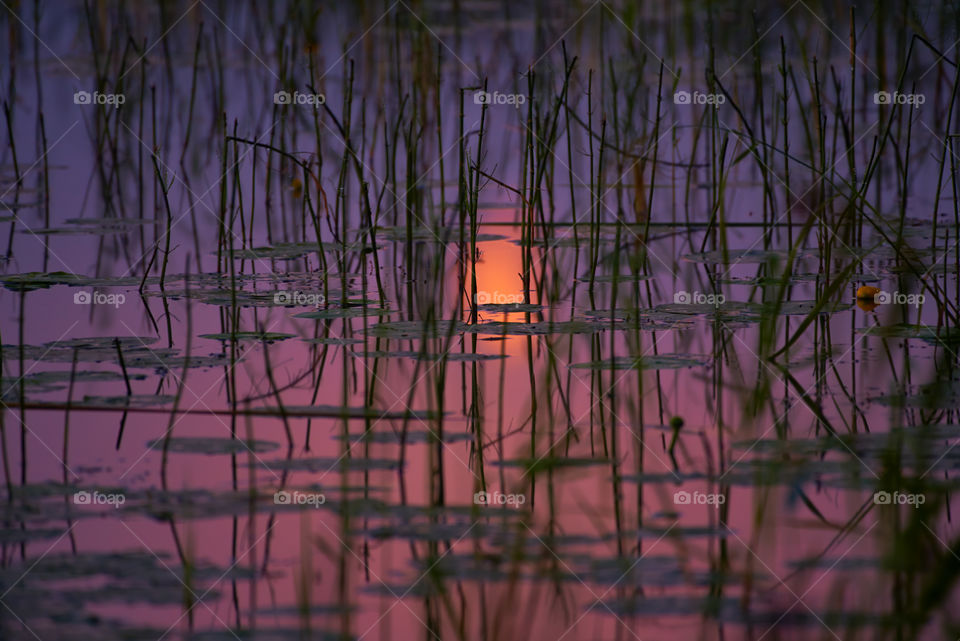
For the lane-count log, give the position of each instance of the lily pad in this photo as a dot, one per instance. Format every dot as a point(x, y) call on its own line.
point(926, 333)
point(268, 337)
point(507, 308)
point(211, 445)
point(343, 312)
point(654, 361)
point(537, 329)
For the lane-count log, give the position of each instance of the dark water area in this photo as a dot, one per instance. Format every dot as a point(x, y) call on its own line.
point(479, 320)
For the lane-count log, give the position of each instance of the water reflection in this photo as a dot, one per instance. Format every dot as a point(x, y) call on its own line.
point(483, 321)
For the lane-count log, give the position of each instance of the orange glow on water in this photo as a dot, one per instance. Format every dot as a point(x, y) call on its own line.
point(499, 268)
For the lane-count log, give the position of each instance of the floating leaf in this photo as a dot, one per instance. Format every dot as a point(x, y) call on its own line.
point(412, 437)
point(536, 329)
point(653, 361)
point(268, 337)
point(416, 329)
point(454, 356)
point(133, 400)
point(211, 445)
point(333, 341)
point(343, 312)
point(745, 256)
point(506, 308)
point(927, 333)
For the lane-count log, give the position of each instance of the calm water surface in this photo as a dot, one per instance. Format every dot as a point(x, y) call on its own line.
point(482, 321)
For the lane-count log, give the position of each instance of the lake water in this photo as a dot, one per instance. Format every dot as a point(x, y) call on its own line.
point(479, 321)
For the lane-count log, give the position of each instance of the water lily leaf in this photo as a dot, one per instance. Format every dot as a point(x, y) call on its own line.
point(333, 340)
point(926, 333)
point(537, 329)
point(343, 312)
point(133, 400)
point(454, 356)
point(506, 308)
point(653, 361)
point(415, 329)
point(212, 445)
point(745, 256)
point(268, 337)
